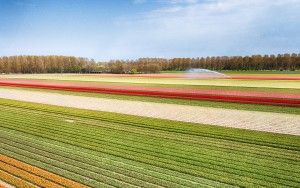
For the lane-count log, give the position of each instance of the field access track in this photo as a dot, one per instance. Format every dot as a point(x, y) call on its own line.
point(284, 99)
point(253, 120)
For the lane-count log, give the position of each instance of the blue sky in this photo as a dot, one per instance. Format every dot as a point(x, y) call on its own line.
point(129, 29)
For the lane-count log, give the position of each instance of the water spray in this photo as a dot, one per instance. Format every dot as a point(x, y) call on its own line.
point(205, 74)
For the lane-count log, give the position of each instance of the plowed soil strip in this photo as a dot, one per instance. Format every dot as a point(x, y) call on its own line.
point(253, 120)
point(42, 173)
point(196, 94)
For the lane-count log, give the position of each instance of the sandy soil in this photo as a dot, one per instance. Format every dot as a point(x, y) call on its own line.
point(5, 185)
point(261, 121)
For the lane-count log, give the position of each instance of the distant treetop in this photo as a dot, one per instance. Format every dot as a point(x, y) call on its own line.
point(70, 64)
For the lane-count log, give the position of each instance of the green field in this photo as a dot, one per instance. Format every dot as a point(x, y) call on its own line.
point(103, 149)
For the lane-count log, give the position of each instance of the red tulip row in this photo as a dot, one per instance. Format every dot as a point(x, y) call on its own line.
point(212, 95)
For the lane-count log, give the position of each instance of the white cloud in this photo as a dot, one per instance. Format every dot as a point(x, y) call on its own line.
point(210, 27)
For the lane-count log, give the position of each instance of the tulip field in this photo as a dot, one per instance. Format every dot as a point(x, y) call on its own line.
point(44, 145)
point(99, 149)
point(272, 90)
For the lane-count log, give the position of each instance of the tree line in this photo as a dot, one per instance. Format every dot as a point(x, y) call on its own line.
point(70, 64)
point(46, 64)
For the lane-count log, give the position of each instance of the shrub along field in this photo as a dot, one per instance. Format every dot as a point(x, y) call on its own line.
point(101, 149)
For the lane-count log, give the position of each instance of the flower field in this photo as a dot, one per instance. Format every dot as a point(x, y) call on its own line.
point(149, 94)
point(239, 96)
point(43, 145)
point(55, 146)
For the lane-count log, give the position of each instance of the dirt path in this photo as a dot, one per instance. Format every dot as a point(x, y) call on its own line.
point(261, 121)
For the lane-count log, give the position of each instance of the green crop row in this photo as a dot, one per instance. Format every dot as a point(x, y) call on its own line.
point(118, 150)
point(171, 126)
point(74, 130)
point(149, 160)
point(141, 141)
point(90, 156)
point(171, 134)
